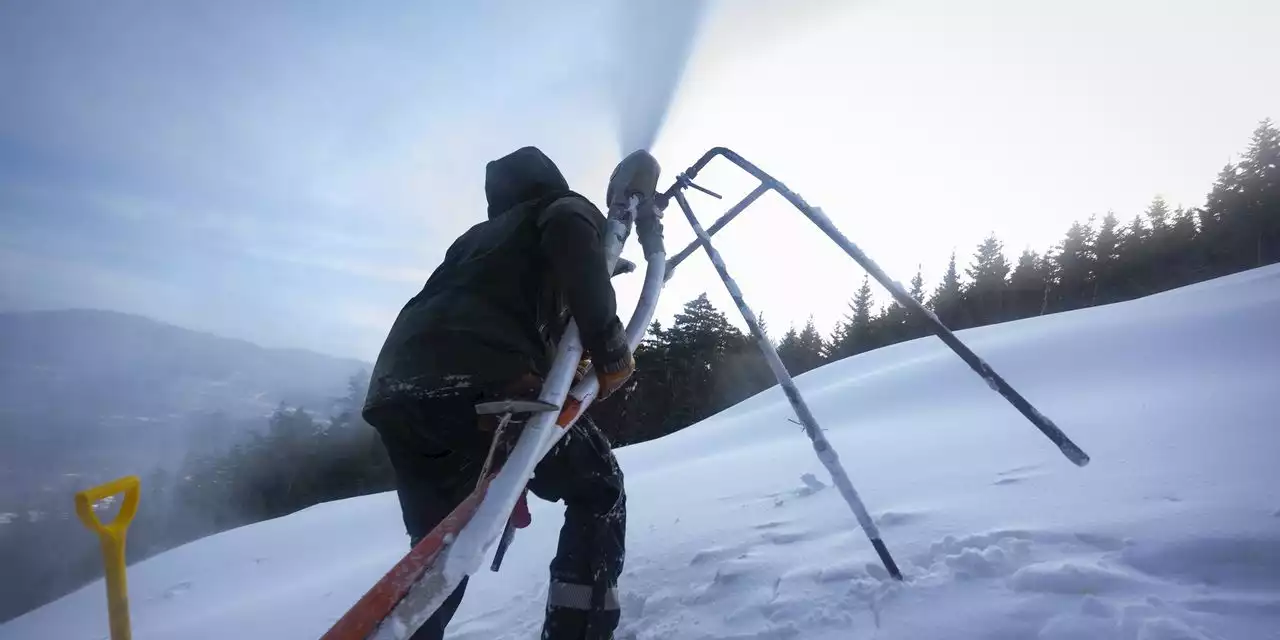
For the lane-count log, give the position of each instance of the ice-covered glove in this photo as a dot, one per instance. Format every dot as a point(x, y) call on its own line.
point(612, 359)
point(609, 382)
point(612, 375)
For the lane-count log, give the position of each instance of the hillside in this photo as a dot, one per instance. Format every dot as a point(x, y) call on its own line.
point(94, 391)
point(1171, 533)
point(89, 395)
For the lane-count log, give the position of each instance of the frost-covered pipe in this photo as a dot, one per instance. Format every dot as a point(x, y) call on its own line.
point(820, 445)
point(650, 235)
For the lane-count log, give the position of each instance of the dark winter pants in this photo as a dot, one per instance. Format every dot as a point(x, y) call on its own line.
point(437, 449)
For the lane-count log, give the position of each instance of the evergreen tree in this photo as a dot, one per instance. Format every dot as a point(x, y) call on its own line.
point(1073, 267)
point(1255, 226)
point(988, 281)
point(811, 347)
point(790, 351)
point(855, 335)
point(1129, 277)
point(946, 299)
point(1027, 286)
point(1172, 233)
point(902, 325)
point(1158, 216)
point(1226, 197)
point(890, 325)
point(1181, 258)
point(699, 339)
point(917, 286)
point(1106, 248)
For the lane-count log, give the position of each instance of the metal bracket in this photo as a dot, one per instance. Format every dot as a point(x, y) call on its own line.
point(514, 406)
point(688, 182)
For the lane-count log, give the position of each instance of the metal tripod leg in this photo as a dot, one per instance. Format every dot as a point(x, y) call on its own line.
point(820, 445)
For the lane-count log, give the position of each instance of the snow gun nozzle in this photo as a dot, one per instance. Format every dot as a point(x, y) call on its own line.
point(636, 175)
point(633, 195)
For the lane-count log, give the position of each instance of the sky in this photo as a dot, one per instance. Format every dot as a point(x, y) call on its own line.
point(290, 173)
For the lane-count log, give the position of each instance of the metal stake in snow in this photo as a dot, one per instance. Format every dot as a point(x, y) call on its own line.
point(820, 445)
point(979, 366)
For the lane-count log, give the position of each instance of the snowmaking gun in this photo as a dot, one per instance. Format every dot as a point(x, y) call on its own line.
point(407, 595)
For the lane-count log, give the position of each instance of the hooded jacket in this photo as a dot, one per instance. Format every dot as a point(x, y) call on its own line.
point(494, 309)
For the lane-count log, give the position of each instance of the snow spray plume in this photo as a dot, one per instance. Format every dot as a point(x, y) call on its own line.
point(649, 65)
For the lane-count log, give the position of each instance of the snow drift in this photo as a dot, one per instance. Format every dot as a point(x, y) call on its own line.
point(1171, 533)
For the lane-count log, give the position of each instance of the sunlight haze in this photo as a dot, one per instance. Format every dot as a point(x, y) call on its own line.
point(291, 173)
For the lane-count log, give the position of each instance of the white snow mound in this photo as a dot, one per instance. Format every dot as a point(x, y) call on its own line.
point(1171, 533)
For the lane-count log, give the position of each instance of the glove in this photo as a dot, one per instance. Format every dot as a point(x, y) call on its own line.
point(613, 375)
point(609, 382)
point(612, 359)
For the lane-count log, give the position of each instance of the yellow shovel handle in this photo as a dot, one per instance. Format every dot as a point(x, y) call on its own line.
point(111, 536)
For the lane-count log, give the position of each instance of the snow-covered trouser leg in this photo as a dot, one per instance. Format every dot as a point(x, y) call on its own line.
point(436, 451)
point(582, 601)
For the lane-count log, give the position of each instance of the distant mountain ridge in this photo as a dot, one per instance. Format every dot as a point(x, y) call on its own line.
point(68, 352)
point(87, 390)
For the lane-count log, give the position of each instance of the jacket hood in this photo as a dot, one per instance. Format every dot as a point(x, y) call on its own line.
point(522, 175)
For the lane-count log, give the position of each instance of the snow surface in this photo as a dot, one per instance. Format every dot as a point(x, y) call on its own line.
point(1171, 533)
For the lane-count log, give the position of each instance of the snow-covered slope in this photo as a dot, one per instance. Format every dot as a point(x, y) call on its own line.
point(1172, 532)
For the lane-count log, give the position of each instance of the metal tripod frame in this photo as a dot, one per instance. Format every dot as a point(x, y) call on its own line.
point(820, 444)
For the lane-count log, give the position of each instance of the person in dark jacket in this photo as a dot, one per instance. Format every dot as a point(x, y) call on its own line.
point(485, 327)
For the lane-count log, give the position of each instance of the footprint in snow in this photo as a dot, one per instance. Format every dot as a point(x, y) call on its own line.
point(773, 524)
point(1102, 542)
point(785, 537)
point(1016, 475)
point(176, 590)
point(811, 486)
point(1023, 469)
point(896, 518)
point(1072, 577)
point(719, 554)
point(1237, 562)
point(731, 578)
point(812, 483)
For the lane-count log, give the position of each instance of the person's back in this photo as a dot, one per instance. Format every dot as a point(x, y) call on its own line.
point(484, 327)
point(494, 308)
